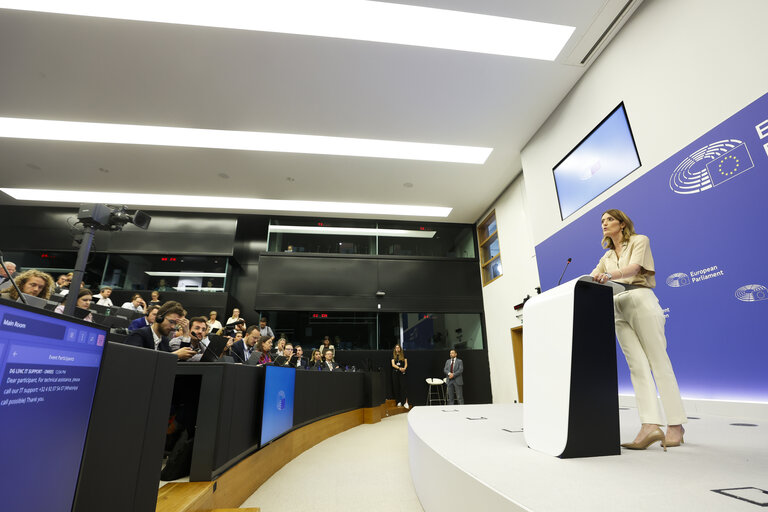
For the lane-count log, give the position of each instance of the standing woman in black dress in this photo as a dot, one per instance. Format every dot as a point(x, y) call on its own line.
point(399, 383)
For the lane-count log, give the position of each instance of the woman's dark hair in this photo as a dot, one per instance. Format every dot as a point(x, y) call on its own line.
point(81, 293)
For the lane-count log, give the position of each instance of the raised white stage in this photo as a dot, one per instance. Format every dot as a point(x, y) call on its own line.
point(484, 464)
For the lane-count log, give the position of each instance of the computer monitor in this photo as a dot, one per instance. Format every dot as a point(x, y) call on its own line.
point(277, 406)
point(50, 366)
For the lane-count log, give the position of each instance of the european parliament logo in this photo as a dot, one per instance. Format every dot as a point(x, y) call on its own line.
point(281, 402)
point(711, 166)
point(752, 293)
point(679, 279)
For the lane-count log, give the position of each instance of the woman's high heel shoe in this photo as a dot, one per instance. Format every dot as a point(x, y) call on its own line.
point(672, 444)
point(648, 440)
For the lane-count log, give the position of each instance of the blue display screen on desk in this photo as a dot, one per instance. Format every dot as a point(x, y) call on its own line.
point(49, 366)
point(277, 415)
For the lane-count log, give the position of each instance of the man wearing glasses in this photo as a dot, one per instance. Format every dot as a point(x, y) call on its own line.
point(156, 336)
point(287, 358)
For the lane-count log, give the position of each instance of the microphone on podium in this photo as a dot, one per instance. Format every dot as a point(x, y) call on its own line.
point(564, 269)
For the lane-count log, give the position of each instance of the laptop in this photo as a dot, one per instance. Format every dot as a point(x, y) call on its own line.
point(216, 345)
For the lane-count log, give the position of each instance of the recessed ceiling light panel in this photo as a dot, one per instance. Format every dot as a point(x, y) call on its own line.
point(212, 202)
point(42, 129)
point(344, 19)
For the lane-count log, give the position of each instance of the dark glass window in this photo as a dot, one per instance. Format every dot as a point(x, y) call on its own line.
point(166, 272)
point(378, 331)
point(386, 238)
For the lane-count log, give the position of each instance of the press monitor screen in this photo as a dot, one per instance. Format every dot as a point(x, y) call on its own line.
point(599, 161)
point(277, 414)
point(49, 366)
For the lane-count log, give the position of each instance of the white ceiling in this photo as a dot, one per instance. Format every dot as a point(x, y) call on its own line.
point(89, 69)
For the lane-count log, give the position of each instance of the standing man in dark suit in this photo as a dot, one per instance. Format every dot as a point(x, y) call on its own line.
point(155, 337)
point(454, 367)
point(244, 348)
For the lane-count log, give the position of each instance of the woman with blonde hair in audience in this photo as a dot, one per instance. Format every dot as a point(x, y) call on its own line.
point(316, 359)
point(32, 282)
point(84, 299)
point(279, 348)
point(213, 324)
point(154, 298)
point(327, 346)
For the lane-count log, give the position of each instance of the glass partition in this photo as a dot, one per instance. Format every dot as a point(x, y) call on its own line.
point(132, 271)
point(386, 238)
point(166, 273)
point(379, 331)
point(335, 236)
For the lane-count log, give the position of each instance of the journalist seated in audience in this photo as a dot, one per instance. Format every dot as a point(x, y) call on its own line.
point(5, 279)
point(154, 298)
point(136, 304)
point(264, 345)
point(147, 319)
point(327, 346)
point(103, 297)
point(315, 360)
point(329, 365)
point(287, 357)
point(298, 360)
point(32, 282)
point(157, 336)
point(235, 317)
point(84, 299)
point(279, 349)
point(62, 283)
point(197, 339)
point(213, 324)
point(243, 349)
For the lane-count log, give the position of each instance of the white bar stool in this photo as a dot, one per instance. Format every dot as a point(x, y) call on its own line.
point(435, 391)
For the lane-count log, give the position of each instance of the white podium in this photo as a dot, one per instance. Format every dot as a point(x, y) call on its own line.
point(571, 404)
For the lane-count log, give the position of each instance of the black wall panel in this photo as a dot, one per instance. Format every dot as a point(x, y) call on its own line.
point(423, 364)
point(49, 229)
point(299, 282)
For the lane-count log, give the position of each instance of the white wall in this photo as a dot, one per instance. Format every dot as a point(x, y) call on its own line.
point(519, 279)
point(681, 67)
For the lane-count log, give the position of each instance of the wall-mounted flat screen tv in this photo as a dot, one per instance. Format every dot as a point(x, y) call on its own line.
point(601, 159)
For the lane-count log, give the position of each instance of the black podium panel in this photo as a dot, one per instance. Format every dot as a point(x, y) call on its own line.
point(124, 448)
point(593, 367)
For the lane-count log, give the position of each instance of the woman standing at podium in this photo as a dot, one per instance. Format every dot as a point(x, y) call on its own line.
point(640, 330)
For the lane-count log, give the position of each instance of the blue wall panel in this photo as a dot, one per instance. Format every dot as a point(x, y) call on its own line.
point(705, 210)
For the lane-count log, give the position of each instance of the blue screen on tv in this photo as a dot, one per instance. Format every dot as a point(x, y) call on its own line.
point(277, 413)
point(600, 160)
point(49, 366)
